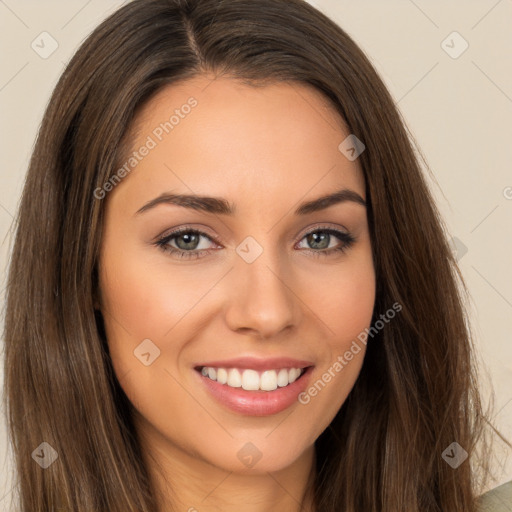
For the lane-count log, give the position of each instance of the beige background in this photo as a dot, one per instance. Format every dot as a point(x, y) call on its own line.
point(459, 110)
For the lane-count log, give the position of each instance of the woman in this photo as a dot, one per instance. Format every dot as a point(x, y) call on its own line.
point(230, 287)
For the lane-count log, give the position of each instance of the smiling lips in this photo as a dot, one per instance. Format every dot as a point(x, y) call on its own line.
point(253, 386)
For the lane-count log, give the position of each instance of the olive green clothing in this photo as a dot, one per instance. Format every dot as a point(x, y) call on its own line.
point(497, 500)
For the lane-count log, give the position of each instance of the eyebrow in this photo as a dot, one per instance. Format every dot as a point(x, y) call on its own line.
point(220, 206)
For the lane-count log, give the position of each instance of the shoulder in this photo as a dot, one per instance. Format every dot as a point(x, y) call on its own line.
point(497, 500)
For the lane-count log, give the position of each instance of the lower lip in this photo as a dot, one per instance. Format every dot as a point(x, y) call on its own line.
point(257, 403)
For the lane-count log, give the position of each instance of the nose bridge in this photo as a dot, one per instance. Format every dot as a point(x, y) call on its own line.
point(262, 300)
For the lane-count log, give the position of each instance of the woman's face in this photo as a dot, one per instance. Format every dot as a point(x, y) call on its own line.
point(262, 284)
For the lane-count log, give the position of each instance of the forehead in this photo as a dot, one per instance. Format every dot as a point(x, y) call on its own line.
point(218, 136)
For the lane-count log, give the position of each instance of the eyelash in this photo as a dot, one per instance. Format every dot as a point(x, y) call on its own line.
point(162, 243)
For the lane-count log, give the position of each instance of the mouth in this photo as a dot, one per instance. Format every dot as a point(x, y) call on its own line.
point(255, 392)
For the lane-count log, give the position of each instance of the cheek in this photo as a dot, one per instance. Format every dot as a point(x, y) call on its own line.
point(346, 308)
point(143, 305)
point(350, 307)
point(149, 307)
point(142, 300)
point(342, 296)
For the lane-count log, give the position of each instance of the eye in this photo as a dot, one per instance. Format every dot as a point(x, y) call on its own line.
point(319, 241)
point(185, 243)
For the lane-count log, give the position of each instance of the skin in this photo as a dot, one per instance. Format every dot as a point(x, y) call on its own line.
point(265, 150)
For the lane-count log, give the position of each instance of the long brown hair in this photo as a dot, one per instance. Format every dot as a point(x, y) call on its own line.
point(417, 391)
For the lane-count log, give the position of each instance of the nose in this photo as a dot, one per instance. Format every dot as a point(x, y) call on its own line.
point(261, 298)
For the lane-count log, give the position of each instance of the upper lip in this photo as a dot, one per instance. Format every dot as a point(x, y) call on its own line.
point(258, 364)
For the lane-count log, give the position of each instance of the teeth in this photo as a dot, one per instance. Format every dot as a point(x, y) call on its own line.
point(282, 378)
point(222, 376)
point(234, 378)
point(251, 380)
point(268, 380)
